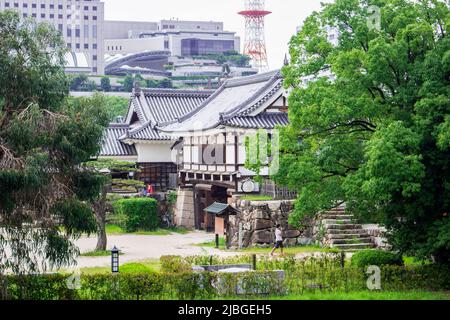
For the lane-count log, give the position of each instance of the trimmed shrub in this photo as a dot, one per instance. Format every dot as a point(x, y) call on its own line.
point(310, 274)
point(137, 213)
point(366, 258)
point(174, 264)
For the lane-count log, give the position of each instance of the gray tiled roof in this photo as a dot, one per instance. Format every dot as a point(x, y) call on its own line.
point(219, 208)
point(112, 146)
point(235, 98)
point(165, 105)
point(151, 106)
point(144, 132)
point(267, 120)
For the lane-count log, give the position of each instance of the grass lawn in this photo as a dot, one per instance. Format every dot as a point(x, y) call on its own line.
point(212, 244)
point(151, 265)
point(256, 198)
point(411, 261)
point(288, 250)
point(95, 253)
point(369, 295)
point(113, 229)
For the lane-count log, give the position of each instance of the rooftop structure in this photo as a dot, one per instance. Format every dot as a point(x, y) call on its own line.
point(213, 138)
point(237, 100)
point(138, 140)
point(146, 62)
point(181, 38)
point(77, 62)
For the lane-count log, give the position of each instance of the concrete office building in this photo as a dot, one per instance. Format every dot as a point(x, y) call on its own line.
point(79, 21)
point(181, 38)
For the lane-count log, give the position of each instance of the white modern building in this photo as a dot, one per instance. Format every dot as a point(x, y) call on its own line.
point(79, 21)
point(181, 38)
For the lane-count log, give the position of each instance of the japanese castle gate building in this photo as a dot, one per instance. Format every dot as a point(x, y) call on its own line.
point(210, 130)
point(214, 137)
point(138, 141)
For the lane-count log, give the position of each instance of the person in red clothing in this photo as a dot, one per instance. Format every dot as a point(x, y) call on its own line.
point(149, 189)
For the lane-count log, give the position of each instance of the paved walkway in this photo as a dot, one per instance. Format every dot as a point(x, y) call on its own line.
point(142, 247)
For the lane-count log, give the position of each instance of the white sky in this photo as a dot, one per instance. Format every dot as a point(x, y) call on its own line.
point(280, 25)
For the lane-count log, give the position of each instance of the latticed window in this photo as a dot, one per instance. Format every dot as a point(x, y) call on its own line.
point(159, 175)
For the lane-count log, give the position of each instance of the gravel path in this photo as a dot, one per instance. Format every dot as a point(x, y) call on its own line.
point(142, 247)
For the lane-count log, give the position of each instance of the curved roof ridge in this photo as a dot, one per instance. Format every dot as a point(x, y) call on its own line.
point(172, 91)
point(258, 97)
point(118, 125)
point(260, 77)
point(265, 120)
point(140, 128)
point(233, 83)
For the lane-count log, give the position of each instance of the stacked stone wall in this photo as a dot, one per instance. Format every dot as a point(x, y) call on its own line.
point(184, 209)
point(258, 220)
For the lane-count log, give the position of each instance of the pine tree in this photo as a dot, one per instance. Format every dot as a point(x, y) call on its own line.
point(45, 191)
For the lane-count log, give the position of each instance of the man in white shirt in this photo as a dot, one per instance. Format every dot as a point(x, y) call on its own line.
point(278, 240)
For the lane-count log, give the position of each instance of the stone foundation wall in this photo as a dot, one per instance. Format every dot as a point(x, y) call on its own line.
point(184, 209)
point(377, 233)
point(259, 218)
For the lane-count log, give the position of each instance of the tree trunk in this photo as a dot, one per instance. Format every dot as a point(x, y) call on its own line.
point(100, 216)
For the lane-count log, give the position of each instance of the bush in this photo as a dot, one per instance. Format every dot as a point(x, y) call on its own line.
point(174, 264)
point(302, 275)
point(366, 258)
point(138, 213)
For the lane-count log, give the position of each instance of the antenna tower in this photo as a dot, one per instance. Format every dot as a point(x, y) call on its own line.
point(255, 44)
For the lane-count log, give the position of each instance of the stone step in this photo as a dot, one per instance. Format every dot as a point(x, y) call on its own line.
point(347, 231)
point(337, 221)
point(337, 216)
point(352, 246)
point(338, 209)
point(342, 226)
point(347, 235)
point(351, 241)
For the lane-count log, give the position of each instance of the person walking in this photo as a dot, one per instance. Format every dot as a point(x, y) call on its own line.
point(278, 240)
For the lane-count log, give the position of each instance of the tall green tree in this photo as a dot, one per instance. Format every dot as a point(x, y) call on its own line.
point(105, 84)
point(77, 82)
point(101, 202)
point(377, 133)
point(45, 191)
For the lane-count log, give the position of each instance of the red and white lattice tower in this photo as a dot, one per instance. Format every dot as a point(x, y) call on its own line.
point(255, 43)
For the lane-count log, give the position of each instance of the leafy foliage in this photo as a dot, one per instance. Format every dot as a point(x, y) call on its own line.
point(305, 275)
point(139, 213)
point(229, 57)
point(370, 118)
point(112, 164)
point(81, 82)
point(44, 140)
point(129, 185)
point(114, 106)
point(365, 258)
point(105, 84)
point(174, 264)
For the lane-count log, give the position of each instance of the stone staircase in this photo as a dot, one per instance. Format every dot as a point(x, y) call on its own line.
point(340, 231)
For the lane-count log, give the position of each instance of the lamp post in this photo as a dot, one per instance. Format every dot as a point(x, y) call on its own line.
point(115, 260)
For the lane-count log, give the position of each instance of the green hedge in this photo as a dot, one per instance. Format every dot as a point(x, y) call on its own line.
point(137, 213)
point(366, 258)
point(302, 275)
point(188, 285)
point(174, 264)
